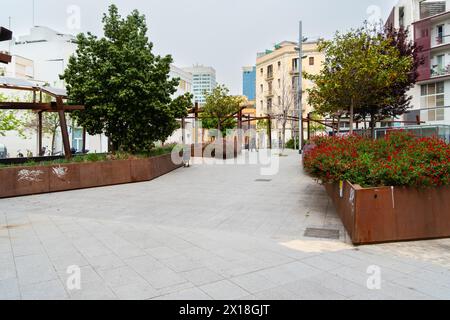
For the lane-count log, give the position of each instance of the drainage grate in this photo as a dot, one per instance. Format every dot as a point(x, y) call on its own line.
point(263, 180)
point(322, 233)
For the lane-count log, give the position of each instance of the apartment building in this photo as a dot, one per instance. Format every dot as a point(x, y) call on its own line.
point(277, 74)
point(203, 81)
point(429, 26)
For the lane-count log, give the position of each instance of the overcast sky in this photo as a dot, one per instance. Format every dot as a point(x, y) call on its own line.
point(225, 34)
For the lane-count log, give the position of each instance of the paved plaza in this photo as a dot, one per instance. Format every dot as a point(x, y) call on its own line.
point(218, 231)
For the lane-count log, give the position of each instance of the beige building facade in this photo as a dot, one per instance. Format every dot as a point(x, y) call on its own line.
point(277, 74)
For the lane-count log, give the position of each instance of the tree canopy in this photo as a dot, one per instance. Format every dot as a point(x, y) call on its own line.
point(367, 72)
point(220, 105)
point(125, 88)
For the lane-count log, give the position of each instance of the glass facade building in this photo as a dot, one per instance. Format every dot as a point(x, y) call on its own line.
point(249, 82)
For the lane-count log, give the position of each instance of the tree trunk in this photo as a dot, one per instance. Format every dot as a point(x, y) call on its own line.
point(338, 125)
point(372, 126)
point(53, 141)
point(352, 106)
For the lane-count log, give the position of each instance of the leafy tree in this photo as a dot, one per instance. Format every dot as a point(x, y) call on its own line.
point(366, 72)
point(125, 87)
point(8, 120)
point(219, 107)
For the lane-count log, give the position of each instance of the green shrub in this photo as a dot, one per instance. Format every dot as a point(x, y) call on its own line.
point(400, 159)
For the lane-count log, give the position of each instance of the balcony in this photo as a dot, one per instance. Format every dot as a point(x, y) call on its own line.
point(269, 94)
point(294, 72)
point(440, 71)
point(269, 77)
point(440, 41)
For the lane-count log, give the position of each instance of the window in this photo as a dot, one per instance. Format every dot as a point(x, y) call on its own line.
point(279, 65)
point(432, 95)
point(262, 104)
point(279, 83)
point(262, 71)
point(269, 105)
point(279, 100)
point(311, 61)
point(270, 87)
point(262, 88)
point(436, 114)
point(295, 65)
point(270, 71)
point(440, 34)
point(401, 16)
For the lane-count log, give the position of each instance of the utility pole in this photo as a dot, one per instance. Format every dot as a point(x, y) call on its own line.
point(300, 86)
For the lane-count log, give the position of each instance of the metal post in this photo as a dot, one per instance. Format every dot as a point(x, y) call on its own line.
point(64, 131)
point(309, 126)
point(269, 131)
point(196, 124)
point(300, 86)
point(183, 131)
point(39, 134)
point(84, 140)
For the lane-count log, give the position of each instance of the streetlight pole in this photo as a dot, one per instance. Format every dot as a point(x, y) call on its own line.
point(300, 86)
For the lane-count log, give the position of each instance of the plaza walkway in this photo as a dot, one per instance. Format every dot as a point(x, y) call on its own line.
point(218, 231)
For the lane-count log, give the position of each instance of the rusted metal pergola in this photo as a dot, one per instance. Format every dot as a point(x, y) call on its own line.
point(58, 104)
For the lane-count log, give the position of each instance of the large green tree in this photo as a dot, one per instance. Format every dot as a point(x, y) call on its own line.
point(219, 108)
point(366, 73)
point(125, 88)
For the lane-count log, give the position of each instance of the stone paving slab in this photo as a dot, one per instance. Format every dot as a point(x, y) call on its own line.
point(208, 232)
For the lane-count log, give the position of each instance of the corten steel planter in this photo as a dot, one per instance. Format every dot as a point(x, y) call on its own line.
point(21, 181)
point(389, 214)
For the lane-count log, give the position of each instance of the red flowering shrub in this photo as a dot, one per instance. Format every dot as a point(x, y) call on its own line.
point(400, 159)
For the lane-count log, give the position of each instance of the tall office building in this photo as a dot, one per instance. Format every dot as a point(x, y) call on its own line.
point(249, 82)
point(203, 81)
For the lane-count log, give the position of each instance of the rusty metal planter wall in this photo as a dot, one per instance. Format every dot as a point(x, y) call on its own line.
point(388, 214)
point(21, 181)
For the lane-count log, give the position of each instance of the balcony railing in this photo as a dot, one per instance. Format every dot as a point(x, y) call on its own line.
point(441, 40)
point(440, 71)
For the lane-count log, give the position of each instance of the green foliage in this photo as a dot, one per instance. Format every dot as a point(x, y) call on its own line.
point(400, 159)
point(125, 87)
point(366, 71)
point(220, 105)
point(98, 157)
point(8, 120)
point(292, 144)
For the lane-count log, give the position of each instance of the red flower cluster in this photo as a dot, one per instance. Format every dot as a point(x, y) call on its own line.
point(400, 159)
